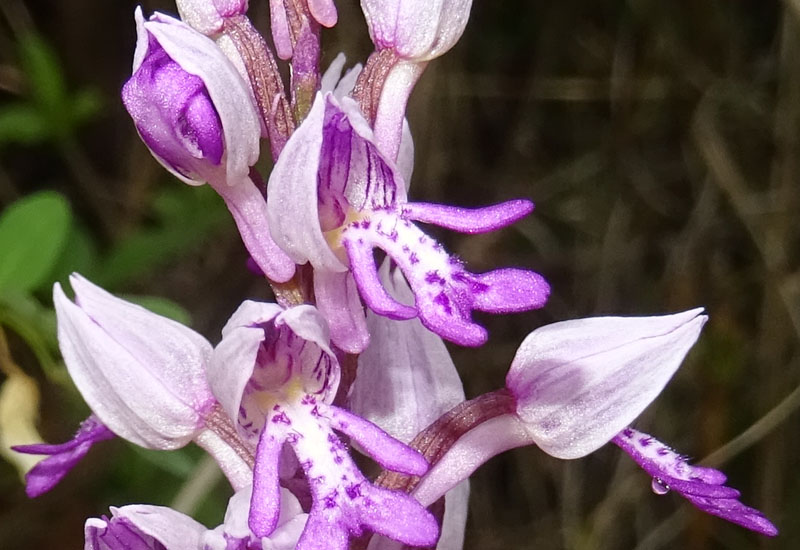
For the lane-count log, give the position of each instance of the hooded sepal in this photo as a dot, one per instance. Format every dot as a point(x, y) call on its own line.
point(142, 375)
point(578, 383)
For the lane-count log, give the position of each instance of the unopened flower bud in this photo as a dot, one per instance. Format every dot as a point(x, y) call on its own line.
point(417, 30)
point(189, 103)
point(197, 116)
point(208, 16)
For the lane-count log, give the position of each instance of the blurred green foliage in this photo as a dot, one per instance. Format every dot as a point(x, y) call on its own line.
point(50, 112)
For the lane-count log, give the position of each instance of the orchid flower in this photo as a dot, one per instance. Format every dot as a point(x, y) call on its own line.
point(275, 375)
point(142, 375)
point(197, 116)
point(157, 528)
point(577, 385)
point(417, 30)
point(333, 198)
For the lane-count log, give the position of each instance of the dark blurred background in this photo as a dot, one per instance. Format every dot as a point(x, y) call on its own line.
point(660, 142)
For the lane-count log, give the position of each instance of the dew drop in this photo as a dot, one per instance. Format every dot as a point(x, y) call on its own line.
point(659, 487)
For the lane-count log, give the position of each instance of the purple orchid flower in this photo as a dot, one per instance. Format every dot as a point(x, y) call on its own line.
point(577, 385)
point(275, 375)
point(703, 487)
point(574, 386)
point(197, 116)
point(333, 198)
point(61, 458)
point(208, 16)
point(142, 527)
point(142, 375)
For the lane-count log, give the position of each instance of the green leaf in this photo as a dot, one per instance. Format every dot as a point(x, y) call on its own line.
point(79, 254)
point(22, 123)
point(35, 325)
point(162, 306)
point(33, 231)
point(43, 71)
point(186, 216)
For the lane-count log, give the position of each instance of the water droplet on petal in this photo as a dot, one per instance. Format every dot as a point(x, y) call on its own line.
point(659, 487)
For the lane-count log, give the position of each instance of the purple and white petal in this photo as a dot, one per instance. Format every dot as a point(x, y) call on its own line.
point(319, 366)
point(241, 339)
point(173, 353)
point(198, 55)
point(222, 96)
point(578, 383)
point(406, 378)
point(143, 527)
point(292, 198)
point(703, 487)
point(340, 304)
point(374, 180)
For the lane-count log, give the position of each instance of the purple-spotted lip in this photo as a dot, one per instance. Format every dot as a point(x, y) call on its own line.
point(701, 486)
point(344, 502)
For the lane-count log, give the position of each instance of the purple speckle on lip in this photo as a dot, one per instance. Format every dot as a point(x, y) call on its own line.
point(354, 491)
